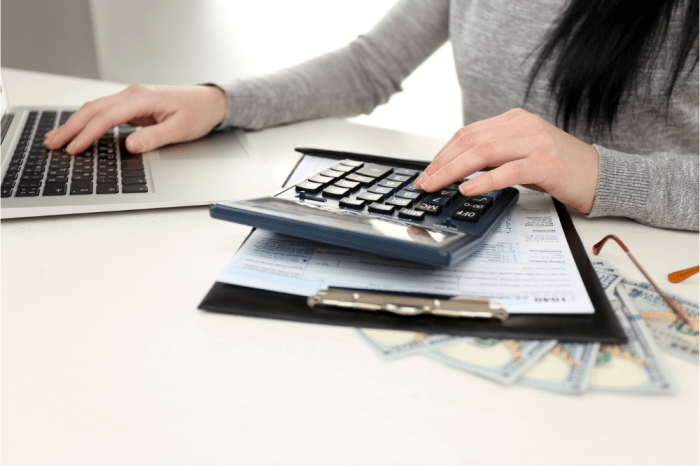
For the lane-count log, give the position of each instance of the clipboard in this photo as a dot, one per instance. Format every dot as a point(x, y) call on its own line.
point(601, 326)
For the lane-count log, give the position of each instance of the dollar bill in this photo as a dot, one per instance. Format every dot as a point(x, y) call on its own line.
point(393, 344)
point(671, 333)
point(609, 277)
point(567, 368)
point(500, 360)
point(636, 366)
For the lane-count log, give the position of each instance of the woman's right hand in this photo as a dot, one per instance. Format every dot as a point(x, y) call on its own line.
point(167, 114)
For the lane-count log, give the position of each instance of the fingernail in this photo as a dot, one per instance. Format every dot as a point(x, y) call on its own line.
point(50, 134)
point(135, 146)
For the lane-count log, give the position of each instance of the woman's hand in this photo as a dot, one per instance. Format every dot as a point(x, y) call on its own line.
point(169, 114)
point(520, 148)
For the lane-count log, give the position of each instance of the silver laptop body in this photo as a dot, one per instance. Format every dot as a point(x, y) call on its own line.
point(216, 168)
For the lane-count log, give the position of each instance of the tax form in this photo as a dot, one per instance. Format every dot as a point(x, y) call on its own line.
point(525, 265)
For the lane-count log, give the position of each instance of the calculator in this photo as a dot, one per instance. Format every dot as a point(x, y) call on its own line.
point(369, 203)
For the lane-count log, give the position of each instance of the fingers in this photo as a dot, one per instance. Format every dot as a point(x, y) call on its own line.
point(96, 117)
point(490, 153)
point(170, 131)
point(519, 171)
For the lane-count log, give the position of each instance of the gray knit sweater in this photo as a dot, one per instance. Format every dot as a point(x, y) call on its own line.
point(648, 165)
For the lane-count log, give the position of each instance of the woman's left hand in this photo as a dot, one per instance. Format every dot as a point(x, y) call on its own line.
point(519, 148)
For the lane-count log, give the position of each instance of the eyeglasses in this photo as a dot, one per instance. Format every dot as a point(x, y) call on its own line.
point(677, 276)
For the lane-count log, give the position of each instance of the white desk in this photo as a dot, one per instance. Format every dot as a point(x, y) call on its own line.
point(107, 361)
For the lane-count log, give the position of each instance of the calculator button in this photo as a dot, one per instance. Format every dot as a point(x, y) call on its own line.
point(351, 185)
point(309, 187)
point(352, 163)
point(334, 191)
point(411, 214)
point(400, 178)
point(381, 208)
point(352, 203)
point(432, 209)
point(332, 173)
point(381, 190)
point(399, 201)
point(412, 188)
point(389, 184)
point(473, 207)
point(321, 179)
point(488, 200)
point(448, 193)
point(371, 197)
point(339, 167)
point(437, 200)
point(408, 194)
point(466, 215)
point(406, 172)
point(363, 180)
point(374, 170)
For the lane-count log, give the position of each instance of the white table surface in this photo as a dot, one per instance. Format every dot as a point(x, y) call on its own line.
point(107, 361)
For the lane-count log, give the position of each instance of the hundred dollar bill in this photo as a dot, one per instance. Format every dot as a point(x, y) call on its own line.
point(609, 277)
point(636, 366)
point(393, 344)
point(671, 333)
point(567, 367)
point(500, 360)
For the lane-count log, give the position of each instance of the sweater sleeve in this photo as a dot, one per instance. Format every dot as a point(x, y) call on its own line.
point(659, 190)
point(347, 82)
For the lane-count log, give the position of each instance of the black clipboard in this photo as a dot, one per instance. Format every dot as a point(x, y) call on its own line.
point(601, 326)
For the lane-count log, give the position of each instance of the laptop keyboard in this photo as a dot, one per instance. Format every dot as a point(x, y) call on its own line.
point(104, 168)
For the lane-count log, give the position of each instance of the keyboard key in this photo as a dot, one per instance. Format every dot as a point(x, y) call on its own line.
point(399, 201)
point(6, 192)
point(81, 176)
point(374, 170)
point(29, 184)
point(107, 188)
point(352, 203)
point(133, 180)
point(55, 189)
point(106, 179)
point(27, 192)
point(135, 188)
point(411, 214)
point(432, 209)
point(133, 173)
point(381, 208)
point(334, 191)
point(57, 179)
point(81, 187)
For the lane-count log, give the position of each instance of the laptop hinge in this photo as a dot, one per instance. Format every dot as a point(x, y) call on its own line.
point(6, 120)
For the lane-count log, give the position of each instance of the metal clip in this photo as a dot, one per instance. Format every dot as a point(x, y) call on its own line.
point(458, 306)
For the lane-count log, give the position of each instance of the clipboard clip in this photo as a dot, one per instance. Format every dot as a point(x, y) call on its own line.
point(362, 300)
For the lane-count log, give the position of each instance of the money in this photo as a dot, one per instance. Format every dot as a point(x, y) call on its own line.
point(393, 344)
point(500, 360)
point(567, 368)
point(636, 366)
point(671, 333)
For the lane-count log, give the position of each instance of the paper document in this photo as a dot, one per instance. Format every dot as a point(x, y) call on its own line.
point(526, 265)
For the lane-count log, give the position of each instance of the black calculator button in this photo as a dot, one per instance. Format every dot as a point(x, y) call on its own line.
point(408, 194)
point(437, 200)
point(371, 197)
point(488, 200)
point(390, 184)
point(339, 167)
point(411, 214)
point(432, 209)
point(400, 178)
point(380, 190)
point(474, 207)
point(309, 186)
point(381, 208)
point(321, 179)
point(55, 189)
point(352, 203)
point(363, 180)
point(352, 163)
point(332, 173)
point(406, 172)
point(374, 170)
point(335, 191)
point(448, 193)
point(410, 187)
point(351, 185)
point(399, 201)
point(466, 215)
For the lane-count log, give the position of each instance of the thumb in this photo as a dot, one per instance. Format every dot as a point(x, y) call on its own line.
point(170, 131)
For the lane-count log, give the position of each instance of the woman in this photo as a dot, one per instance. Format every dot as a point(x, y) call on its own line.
point(593, 101)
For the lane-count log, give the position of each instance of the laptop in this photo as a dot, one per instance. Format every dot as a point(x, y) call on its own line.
point(37, 182)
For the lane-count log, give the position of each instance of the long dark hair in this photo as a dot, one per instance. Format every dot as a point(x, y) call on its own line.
point(598, 48)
